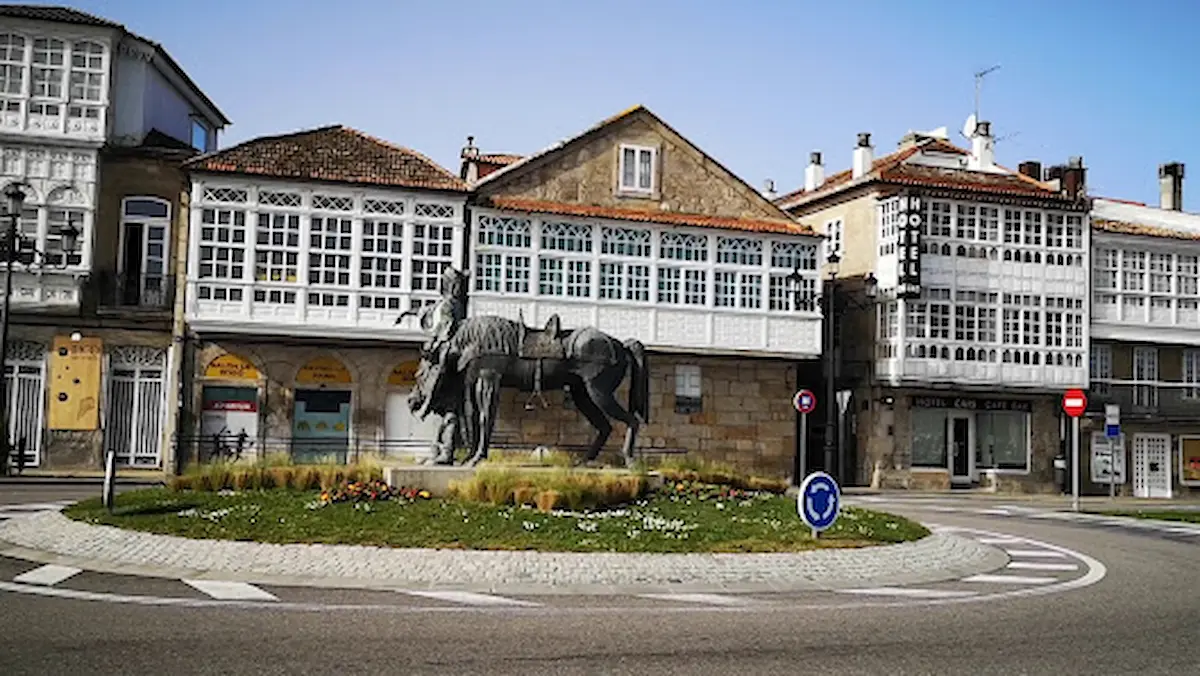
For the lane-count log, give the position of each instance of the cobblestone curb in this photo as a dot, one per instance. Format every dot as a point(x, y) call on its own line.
point(53, 538)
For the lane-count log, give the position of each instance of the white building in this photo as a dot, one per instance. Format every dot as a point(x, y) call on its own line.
point(981, 320)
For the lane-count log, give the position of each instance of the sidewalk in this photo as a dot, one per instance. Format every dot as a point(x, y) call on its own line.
point(50, 537)
point(1048, 501)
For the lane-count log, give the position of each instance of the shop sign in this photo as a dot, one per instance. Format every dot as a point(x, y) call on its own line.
point(231, 367)
point(404, 374)
point(973, 404)
point(324, 371)
point(1189, 461)
point(75, 384)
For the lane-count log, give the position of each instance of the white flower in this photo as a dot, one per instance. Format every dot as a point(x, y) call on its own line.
point(529, 525)
point(587, 526)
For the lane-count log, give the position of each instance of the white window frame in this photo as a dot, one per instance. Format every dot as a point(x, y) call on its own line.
point(638, 152)
point(1100, 368)
point(1145, 370)
point(689, 384)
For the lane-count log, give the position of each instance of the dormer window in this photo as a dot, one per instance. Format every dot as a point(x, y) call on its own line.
point(637, 169)
point(200, 134)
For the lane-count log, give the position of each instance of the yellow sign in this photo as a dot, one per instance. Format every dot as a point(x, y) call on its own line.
point(75, 384)
point(405, 374)
point(230, 366)
point(323, 371)
point(1189, 461)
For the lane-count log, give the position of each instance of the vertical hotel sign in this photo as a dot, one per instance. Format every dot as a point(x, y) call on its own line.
point(75, 384)
point(908, 249)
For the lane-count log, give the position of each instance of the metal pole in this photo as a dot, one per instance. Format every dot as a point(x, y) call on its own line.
point(1112, 470)
point(803, 448)
point(1075, 467)
point(9, 244)
point(830, 390)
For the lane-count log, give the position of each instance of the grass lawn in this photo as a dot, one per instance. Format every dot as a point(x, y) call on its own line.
point(1190, 516)
point(661, 522)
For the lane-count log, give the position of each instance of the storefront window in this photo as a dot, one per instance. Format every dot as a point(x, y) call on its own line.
point(1002, 440)
point(928, 438)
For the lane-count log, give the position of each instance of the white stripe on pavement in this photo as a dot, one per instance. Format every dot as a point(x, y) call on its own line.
point(1035, 553)
point(231, 591)
point(1008, 579)
point(48, 575)
point(35, 507)
point(469, 598)
point(1026, 565)
point(997, 512)
point(911, 593)
point(710, 599)
point(1001, 541)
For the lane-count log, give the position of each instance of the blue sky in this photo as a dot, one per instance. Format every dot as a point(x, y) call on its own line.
point(756, 84)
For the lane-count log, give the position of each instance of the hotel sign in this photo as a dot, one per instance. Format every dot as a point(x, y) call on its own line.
point(973, 404)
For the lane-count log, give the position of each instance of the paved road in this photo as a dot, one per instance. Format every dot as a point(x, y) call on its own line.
point(1138, 619)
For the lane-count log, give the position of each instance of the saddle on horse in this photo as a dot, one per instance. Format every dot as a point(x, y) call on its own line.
point(542, 343)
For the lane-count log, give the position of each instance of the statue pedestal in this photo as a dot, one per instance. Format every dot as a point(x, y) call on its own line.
point(436, 478)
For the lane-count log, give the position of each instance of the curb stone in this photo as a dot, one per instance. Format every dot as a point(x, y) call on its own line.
point(51, 537)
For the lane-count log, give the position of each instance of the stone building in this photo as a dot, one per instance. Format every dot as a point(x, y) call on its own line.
point(631, 228)
point(957, 367)
point(1145, 350)
point(94, 121)
point(303, 250)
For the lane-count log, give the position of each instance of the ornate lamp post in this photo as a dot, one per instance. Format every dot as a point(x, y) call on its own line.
point(17, 248)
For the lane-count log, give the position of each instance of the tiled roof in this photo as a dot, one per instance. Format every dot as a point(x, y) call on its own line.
point(334, 153)
point(56, 13)
point(892, 168)
point(1127, 228)
point(781, 226)
point(500, 158)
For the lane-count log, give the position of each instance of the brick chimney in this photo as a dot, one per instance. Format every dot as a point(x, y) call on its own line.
point(1170, 186)
point(864, 156)
point(469, 171)
point(1074, 183)
point(983, 148)
point(814, 173)
point(769, 189)
point(1031, 168)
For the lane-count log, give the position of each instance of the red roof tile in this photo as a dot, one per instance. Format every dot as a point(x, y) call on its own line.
point(1127, 228)
point(500, 158)
point(336, 153)
point(781, 226)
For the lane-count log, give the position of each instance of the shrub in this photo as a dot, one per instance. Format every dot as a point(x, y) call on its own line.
point(220, 476)
point(705, 472)
point(529, 458)
point(549, 490)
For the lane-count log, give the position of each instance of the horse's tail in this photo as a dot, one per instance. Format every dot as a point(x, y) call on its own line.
point(639, 381)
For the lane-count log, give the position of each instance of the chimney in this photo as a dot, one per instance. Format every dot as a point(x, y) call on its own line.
point(814, 173)
point(1073, 175)
point(469, 171)
point(1031, 168)
point(983, 148)
point(1170, 186)
point(863, 156)
point(769, 189)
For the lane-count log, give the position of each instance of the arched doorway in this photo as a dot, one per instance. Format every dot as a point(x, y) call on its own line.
point(321, 413)
point(404, 434)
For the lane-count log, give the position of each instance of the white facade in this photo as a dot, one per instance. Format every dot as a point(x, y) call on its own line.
point(1004, 297)
point(293, 258)
point(690, 289)
point(1145, 288)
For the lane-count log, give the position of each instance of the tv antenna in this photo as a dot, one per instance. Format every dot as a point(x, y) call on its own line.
point(979, 85)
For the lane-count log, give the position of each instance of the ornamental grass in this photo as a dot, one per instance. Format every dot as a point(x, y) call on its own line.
point(225, 476)
point(551, 490)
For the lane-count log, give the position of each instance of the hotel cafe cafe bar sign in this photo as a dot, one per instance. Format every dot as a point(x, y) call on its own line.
point(973, 404)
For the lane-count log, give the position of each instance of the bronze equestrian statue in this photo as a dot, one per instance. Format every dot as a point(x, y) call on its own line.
point(468, 360)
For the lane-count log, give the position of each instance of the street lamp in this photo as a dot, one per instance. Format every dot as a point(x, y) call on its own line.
point(16, 248)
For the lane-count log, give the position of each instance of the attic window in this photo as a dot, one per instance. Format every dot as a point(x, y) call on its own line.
point(637, 169)
point(200, 134)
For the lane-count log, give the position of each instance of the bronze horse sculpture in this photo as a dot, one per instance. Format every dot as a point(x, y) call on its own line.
point(468, 360)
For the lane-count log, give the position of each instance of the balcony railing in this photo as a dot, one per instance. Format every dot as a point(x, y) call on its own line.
point(137, 292)
point(1173, 400)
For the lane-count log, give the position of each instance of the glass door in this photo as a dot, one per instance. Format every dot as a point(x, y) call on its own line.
point(959, 441)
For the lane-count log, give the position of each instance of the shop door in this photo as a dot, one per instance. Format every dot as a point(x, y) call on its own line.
point(958, 436)
point(404, 433)
point(1152, 465)
point(321, 426)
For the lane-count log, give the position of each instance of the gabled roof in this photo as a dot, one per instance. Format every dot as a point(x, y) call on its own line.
point(334, 153)
point(896, 169)
point(783, 224)
point(1127, 217)
point(1141, 230)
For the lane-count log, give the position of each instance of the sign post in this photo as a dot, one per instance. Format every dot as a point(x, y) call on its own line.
point(804, 402)
point(110, 478)
point(1112, 430)
point(819, 501)
point(1074, 403)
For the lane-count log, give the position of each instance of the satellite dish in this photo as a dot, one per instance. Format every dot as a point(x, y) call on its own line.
point(969, 126)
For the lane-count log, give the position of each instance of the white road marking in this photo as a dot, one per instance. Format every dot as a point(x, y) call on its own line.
point(469, 598)
point(48, 575)
point(997, 512)
point(1004, 540)
point(1183, 530)
point(1008, 579)
point(35, 507)
point(231, 591)
point(1027, 565)
point(1035, 553)
point(909, 592)
point(710, 599)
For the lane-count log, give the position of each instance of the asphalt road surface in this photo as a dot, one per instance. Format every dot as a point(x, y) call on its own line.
point(1142, 617)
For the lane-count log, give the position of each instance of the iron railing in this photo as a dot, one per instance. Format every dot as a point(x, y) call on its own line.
point(1151, 400)
point(144, 292)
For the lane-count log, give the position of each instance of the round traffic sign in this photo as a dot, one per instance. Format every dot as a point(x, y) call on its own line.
point(804, 401)
point(1074, 403)
point(819, 501)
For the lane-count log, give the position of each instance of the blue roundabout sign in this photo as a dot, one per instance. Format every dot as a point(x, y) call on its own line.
point(819, 501)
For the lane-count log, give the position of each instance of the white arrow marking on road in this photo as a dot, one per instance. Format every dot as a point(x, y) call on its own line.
point(906, 591)
point(1025, 565)
point(470, 598)
point(231, 591)
point(1035, 553)
point(1008, 579)
point(48, 575)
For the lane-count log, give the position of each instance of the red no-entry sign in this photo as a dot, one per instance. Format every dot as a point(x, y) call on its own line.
point(804, 401)
point(1074, 403)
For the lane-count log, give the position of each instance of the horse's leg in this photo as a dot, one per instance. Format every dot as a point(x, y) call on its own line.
point(596, 417)
point(470, 418)
point(487, 394)
point(601, 391)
